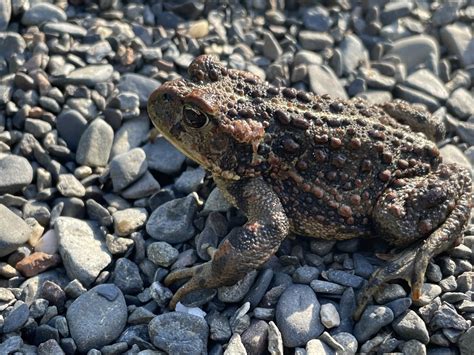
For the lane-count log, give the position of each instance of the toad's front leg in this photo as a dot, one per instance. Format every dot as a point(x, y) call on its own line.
point(245, 248)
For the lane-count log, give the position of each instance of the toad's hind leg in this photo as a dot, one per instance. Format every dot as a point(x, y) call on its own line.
point(245, 248)
point(435, 207)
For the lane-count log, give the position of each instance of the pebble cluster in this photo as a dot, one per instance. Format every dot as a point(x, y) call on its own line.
point(94, 214)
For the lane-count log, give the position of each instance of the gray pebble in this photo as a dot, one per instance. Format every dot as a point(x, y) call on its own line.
point(15, 173)
point(59, 28)
point(172, 221)
point(343, 278)
point(69, 186)
point(42, 12)
point(50, 346)
point(82, 248)
point(275, 340)
point(89, 75)
point(415, 50)
point(353, 53)
point(190, 180)
point(410, 326)
point(317, 19)
point(314, 41)
point(348, 342)
point(389, 292)
point(5, 14)
point(128, 167)
point(11, 345)
point(129, 220)
point(16, 318)
point(164, 157)
point(322, 80)
point(144, 187)
point(329, 316)
point(413, 347)
point(317, 347)
point(457, 38)
point(179, 333)
point(95, 144)
point(162, 254)
point(259, 288)
point(97, 317)
point(14, 231)
point(70, 125)
point(327, 287)
point(446, 316)
point(461, 103)
point(130, 135)
point(372, 320)
point(139, 84)
point(419, 80)
point(297, 315)
point(466, 341)
point(305, 274)
point(126, 276)
point(271, 48)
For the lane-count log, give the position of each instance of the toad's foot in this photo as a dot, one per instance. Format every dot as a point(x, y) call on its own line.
point(200, 277)
point(401, 267)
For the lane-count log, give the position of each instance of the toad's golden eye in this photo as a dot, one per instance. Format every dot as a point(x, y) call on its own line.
point(194, 118)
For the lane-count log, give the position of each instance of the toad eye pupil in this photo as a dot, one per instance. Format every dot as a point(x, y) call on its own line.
point(195, 118)
point(167, 97)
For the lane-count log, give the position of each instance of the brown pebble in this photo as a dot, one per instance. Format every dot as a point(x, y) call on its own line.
point(37, 263)
point(385, 175)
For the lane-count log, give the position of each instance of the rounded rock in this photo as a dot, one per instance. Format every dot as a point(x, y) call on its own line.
point(97, 317)
point(42, 12)
point(15, 173)
point(95, 144)
point(297, 315)
point(179, 333)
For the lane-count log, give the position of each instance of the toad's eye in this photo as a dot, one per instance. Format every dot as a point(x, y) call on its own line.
point(194, 118)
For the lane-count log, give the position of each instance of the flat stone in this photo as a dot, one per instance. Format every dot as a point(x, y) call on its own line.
point(16, 318)
point(139, 84)
point(162, 254)
point(128, 167)
point(461, 103)
point(64, 28)
point(162, 156)
point(172, 221)
point(97, 317)
point(323, 80)
point(179, 333)
point(314, 41)
point(95, 144)
point(15, 173)
point(82, 248)
point(297, 315)
point(372, 320)
point(14, 231)
point(68, 185)
point(353, 53)
point(410, 326)
point(36, 263)
point(90, 75)
point(5, 14)
point(458, 38)
point(131, 134)
point(466, 342)
point(42, 12)
point(424, 80)
point(126, 276)
point(71, 125)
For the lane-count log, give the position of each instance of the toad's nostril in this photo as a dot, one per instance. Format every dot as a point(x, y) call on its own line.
point(167, 97)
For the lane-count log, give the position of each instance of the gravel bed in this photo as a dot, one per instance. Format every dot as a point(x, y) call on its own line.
point(94, 213)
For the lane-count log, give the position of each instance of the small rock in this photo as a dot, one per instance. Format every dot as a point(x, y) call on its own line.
point(36, 263)
point(16, 318)
point(15, 173)
point(317, 347)
point(42, 12)
point(69, 186)
point(13, 231)
point(410, 326)
point(82, 248)
point(95, 144)
point(90, 75)
point(97, 317)
point(235, 346)
point(461, 103)
point(126, 276)
point(129, 220)
point(162, 156)
point(329, 316)
point(179, 333)
point(139, 84)
point(322, 80)
point(297, 315)
point(127, 168)
point(172, 221)
point(372, 320)
point(348, 342)
point(275, 341)
point(413, 347)
point(162, 254)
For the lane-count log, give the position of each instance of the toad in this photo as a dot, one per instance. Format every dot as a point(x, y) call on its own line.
point(315, 166)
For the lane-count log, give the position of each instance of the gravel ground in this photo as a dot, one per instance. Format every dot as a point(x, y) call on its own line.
point(93, 214)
